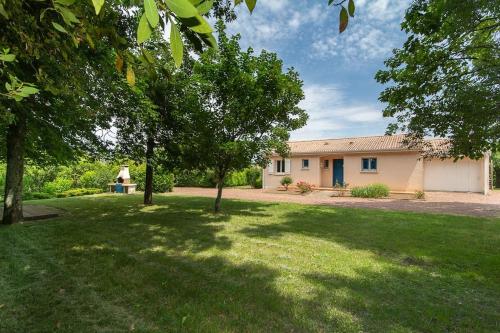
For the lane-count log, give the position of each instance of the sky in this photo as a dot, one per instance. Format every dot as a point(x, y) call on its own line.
point(341, 94)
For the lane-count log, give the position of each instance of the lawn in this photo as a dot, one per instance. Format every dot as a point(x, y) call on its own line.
point(112, 265)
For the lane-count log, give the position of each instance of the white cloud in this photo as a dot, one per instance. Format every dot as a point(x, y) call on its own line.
point(381, 10)
point(332, 115)
point(362, 42)
point(371, 34)
point(275, 21)
point(275, 5)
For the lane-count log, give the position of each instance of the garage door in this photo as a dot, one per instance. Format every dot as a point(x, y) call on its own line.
point(446, 175)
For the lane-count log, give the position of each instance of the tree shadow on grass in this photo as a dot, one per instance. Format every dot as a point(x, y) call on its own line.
point(128, 269)
point(463, 244)
point(173, 271)
point(395, 299)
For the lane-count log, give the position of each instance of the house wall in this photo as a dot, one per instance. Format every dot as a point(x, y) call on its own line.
point(311, 175)
point(399, 171)
point(464, 175)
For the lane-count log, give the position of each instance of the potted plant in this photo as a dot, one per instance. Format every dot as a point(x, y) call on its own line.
point(286, 181)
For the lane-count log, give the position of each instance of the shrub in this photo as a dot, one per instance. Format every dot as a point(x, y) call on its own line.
point(254, 177)
point(58, 185)
point(76, 192)
point(41, 195)
point(36, 177)
point(97, 178)
point(37, 195)
point(285, 181)
point(236, 178)
point(419, 194)
point(304, 187)
point(89, 179)
point(194, 178)
point(370, 191)
point(163, 182)
point(340, 187)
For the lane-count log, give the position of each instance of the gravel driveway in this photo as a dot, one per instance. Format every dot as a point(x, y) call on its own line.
point(472, 204)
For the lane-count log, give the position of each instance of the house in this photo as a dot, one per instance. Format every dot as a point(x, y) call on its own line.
point(378, 159)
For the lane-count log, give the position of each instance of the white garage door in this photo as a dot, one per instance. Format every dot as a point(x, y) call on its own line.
point(446, 175)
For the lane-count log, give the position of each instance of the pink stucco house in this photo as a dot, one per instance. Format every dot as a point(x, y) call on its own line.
point(378, 159)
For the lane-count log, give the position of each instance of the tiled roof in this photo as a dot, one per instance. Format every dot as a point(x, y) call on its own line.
point(382, 143)
point(437, 147)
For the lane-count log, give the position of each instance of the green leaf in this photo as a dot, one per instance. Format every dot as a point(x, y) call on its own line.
point(151, 11)
point(344, 19)
point(205, 7)
point(59, 27)
point(67, 15)
point(251, 4)
point(7, 57)
point(3, 12)
point(98, 5)
point(182, 8)
point(65, 2)
point(90, 41)
point(149, 57)
point(143, 30)
point(176, 44)
point(209, 40)
point(28, 90)
point(199, 24)
point(351, 8)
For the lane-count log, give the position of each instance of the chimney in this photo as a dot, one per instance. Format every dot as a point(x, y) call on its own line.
point(124, 174)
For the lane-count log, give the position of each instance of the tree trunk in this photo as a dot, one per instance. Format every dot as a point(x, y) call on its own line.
point(218, 200)
point(148, 187)
point(13, 205)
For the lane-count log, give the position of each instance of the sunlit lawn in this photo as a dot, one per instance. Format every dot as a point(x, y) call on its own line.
point(112, 265)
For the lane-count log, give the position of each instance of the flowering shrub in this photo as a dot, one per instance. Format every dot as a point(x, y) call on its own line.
point(304, 187)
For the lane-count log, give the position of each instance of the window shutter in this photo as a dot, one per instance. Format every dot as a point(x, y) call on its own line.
point(270, 167)
point(287, 166)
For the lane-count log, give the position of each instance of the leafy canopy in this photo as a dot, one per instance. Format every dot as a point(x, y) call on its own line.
point(247, 107)
point(75, 20)
point(445, 79)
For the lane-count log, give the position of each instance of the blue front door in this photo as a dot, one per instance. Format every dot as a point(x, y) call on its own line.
point(338, 172)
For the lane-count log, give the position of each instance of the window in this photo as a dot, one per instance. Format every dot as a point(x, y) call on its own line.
point(369, 164)
point(280, 166)
point(326, 164)
point(305, 164)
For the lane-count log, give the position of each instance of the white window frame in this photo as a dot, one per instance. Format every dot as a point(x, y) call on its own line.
point(280, 164)
point(326, 164)
point(305, 167)
point(369, 170)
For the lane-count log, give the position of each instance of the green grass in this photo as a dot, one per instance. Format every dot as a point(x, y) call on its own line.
point(113, 265)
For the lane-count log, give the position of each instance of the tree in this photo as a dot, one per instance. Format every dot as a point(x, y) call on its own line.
point(41, 62)
point(78, 89)
point(148, 132)
point(445, 79)
point(247, 106)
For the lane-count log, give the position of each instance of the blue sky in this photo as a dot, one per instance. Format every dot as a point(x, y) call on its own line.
point(337, 69)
